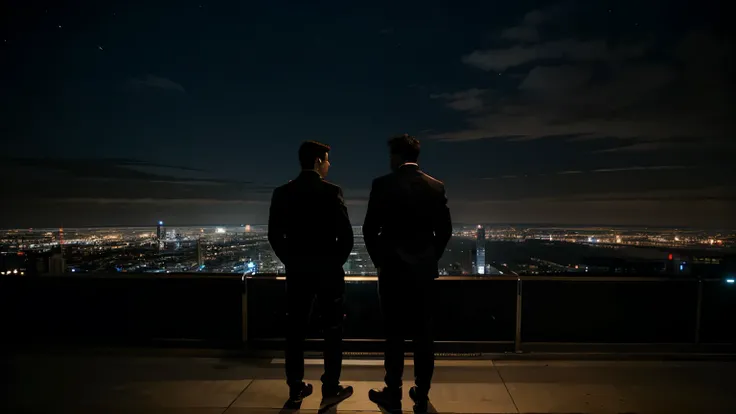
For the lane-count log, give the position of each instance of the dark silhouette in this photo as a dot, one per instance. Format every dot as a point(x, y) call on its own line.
point(310, 232)
point(406, 230)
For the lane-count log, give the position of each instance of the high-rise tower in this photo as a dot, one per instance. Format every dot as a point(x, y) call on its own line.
point(480, 250)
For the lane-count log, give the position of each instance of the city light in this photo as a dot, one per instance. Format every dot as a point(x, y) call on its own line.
point(160, 223)
point(220, 230)
point(730, 281)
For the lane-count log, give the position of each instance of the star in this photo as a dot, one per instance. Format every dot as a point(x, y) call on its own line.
point(100, 47)
point(59, 26)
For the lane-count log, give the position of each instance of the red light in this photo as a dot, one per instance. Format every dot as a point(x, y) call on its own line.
point(669, 257)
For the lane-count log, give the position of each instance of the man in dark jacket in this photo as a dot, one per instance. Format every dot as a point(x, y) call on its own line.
point(406, 230)
point(309, 230)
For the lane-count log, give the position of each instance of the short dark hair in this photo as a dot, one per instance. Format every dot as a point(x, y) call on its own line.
point(309, 150)
point(405, 146)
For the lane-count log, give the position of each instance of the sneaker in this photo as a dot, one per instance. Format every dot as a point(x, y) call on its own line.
point(299, 393)
point(389, 399)
point(420, 398)
point(335, 395)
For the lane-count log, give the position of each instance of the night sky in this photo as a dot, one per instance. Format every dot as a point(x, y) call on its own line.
point(191, 112)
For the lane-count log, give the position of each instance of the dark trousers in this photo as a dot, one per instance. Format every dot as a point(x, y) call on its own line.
point(301, 293)
point(406, 304)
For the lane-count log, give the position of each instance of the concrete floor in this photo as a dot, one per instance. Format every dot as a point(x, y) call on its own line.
point(44, 383)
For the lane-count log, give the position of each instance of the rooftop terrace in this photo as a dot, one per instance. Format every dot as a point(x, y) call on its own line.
point(116, 382)
point(211, 344)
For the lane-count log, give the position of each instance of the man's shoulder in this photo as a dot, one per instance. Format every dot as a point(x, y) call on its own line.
point(383, 179)
point(331, 187)
point(283, 188)
point(432, 180)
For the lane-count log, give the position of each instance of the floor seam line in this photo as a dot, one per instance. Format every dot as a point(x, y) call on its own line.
point(238, 396)
point(508, 391)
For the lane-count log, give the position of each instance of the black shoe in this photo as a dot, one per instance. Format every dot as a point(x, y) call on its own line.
point(420, 398)
point(300, 392)
point(334, 395)
point(389, 399)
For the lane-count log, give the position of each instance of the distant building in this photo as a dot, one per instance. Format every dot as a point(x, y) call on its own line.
point(57, 264)
point(200, 255)
point(160, 235)
point(480, 250)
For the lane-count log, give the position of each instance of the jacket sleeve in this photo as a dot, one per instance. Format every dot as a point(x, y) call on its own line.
point(373, 223)
point(442, 225)
point(277, 226)
point(344, 229)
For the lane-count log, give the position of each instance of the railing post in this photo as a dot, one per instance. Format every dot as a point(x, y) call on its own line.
point(698, 311)
point(244, 311)
point(517, 338)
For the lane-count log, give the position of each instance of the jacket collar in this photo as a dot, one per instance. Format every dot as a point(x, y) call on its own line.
point(309, 174)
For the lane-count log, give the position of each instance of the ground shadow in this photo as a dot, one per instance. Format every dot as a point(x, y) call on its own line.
point(430, 409)
point(386, 411)
point(330, 409)
point(291, 407)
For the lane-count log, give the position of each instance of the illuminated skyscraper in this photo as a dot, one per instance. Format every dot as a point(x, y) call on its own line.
point(480, 250)
point(160, 235)
point(200, 256)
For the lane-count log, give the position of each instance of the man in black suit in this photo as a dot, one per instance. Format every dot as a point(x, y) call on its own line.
point(406, 230)
point(309, 230)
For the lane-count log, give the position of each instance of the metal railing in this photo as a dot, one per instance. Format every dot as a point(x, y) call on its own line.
point(690, 290)
point(502, 312)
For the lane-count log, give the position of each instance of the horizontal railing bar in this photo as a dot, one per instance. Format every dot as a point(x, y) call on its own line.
point(523, 278)
point(271, 276)
point(383, 340)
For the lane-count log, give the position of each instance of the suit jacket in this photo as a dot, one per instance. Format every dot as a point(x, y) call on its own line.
point(308, 226)
point(408, 224)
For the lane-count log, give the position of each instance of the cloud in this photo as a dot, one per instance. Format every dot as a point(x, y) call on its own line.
point(654, 168)
point(153, 81)
point(570, 49)
point(158, 201)
point(470, 100)
point(120, 169)
point(599, 170)
point(650, 98)
point(527, 30)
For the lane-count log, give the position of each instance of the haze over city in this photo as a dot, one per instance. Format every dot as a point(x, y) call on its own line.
point(531, 112)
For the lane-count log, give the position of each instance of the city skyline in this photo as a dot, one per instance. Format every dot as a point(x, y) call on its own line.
point(565, 112)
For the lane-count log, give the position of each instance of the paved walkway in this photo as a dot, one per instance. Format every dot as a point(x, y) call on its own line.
point(127, 384)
